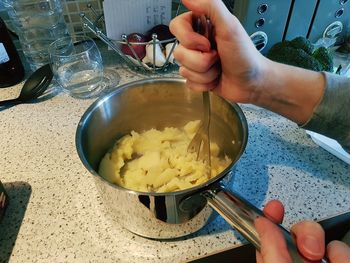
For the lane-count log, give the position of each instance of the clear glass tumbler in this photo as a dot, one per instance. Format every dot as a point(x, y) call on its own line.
point(77, 66)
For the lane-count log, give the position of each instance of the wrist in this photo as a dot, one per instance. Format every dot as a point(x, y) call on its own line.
point(258, 80)
point(259, 95)
point(290, 91)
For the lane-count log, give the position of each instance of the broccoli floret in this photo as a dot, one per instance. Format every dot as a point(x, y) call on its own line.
point(299, 52)
point(285, 54)
point(277, 51)
point(324, 57)
point(303, 43)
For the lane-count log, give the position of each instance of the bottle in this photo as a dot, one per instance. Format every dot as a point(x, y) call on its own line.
point(3, 200)
point(37, 23)
point(11, 67)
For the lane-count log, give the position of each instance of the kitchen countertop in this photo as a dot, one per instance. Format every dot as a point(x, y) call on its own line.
point(56, 215)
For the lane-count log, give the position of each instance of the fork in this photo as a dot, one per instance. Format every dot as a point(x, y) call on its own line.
point(200, 143)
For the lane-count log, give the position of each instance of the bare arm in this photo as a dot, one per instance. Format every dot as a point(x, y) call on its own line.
point(290, 91)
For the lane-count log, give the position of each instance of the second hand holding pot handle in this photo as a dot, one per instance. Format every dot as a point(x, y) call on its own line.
point(237, 211)
point(241, 215)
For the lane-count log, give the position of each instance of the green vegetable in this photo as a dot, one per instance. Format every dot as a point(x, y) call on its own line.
point(303, 43)
point(300, 52)
point(324, 57)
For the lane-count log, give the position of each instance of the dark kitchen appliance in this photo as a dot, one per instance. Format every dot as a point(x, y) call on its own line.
point(331, 19)
point(264, 21)
point(315, 19)
point(300, 18)
point(271, 21)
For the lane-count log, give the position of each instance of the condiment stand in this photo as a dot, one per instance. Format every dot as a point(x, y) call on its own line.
point(135, 62)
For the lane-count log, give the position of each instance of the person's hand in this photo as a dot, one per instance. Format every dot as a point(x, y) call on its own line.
point(238, 73)
point(309, 238)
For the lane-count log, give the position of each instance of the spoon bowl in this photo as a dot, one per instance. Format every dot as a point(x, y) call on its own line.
point(33, 87)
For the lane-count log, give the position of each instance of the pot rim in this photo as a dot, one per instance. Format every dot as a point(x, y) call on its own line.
point(88, 112)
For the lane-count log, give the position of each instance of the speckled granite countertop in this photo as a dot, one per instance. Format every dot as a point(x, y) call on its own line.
point(55, 214)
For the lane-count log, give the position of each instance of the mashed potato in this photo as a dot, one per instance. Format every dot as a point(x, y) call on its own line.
point(158, 161)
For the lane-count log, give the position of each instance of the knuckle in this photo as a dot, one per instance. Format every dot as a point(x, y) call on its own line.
point(206, 62)
point(264, 253)
point(178, 54)
point(182, 72)
point(172, 26)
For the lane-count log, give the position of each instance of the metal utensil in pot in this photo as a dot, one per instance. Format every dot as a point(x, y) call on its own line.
point(200, 143)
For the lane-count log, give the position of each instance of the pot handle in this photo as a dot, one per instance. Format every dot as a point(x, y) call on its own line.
point(241, 214)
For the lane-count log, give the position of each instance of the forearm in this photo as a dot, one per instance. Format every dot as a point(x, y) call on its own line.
point(290, 91)
point(331, 117)
point(317, 101)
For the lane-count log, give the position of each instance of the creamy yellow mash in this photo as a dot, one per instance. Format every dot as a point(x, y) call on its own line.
point(158, 161)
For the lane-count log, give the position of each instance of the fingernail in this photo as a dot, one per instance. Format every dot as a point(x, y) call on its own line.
point(312, 245)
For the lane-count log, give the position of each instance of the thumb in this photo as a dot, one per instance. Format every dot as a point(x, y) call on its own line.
point(310, 239)
point(215, 10)
point(338, 251)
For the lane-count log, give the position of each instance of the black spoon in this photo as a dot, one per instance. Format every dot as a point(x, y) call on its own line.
point(34, 86)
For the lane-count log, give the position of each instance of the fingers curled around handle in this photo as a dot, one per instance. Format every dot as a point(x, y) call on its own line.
point(208, 77)
point(338, 252)
point(181, 27)
point(201, 87)
point(273, 245)
point(310, 239)
point(215, 10)
point(195, 60)
point(274, 210)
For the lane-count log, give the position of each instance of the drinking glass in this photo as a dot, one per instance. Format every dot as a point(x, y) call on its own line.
point(77, 65)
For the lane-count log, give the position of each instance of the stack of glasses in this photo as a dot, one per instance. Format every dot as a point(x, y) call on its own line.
point(37, 24)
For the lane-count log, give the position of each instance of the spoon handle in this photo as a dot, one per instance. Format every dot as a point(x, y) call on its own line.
point(10, 102)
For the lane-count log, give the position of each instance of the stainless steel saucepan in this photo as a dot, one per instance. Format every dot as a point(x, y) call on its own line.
point(159, 103)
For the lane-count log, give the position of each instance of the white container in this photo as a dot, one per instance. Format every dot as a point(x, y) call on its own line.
point(37, 23)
